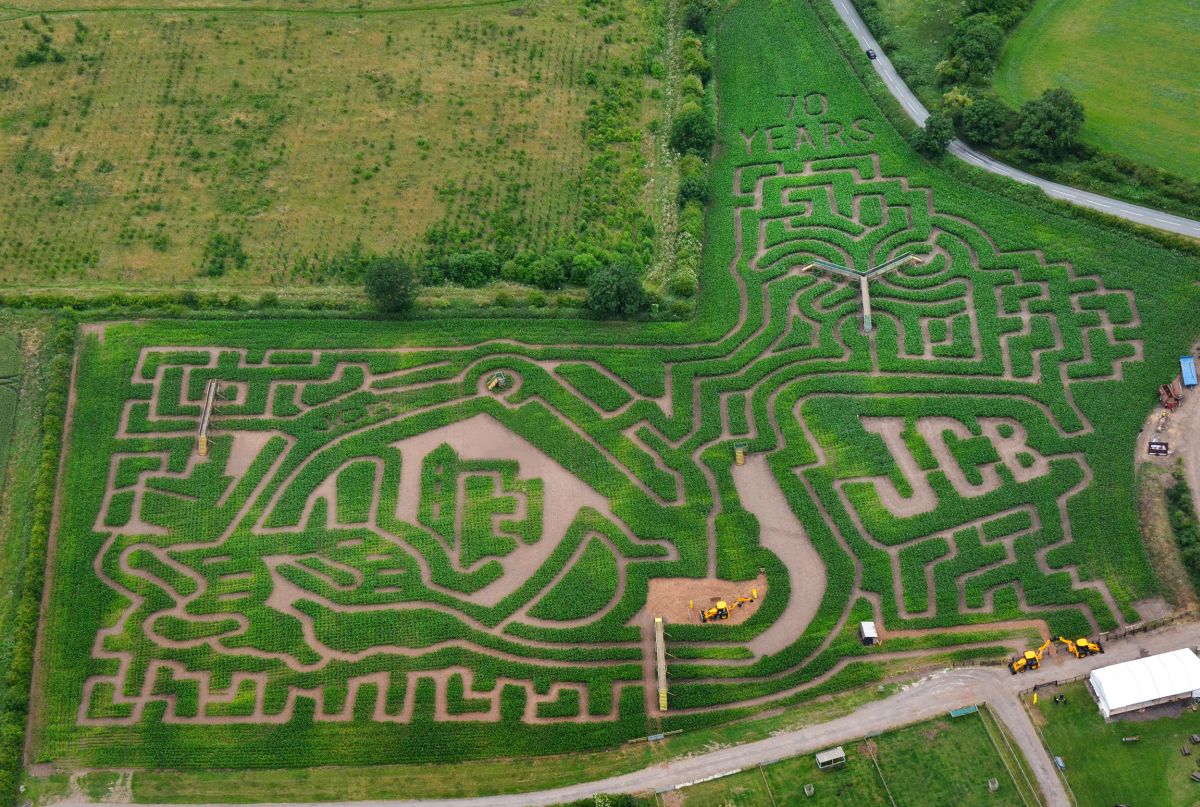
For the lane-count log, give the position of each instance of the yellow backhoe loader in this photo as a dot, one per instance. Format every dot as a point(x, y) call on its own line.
point(1082, 647)
point(1031, 660)
point(718, 611)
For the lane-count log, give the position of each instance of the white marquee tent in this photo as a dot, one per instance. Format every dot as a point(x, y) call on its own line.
point(1146, 681)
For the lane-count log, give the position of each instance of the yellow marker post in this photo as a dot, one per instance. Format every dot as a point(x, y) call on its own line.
point(1035, 699)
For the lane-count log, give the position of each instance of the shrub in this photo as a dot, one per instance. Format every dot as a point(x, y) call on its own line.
point(691, 51)
point(616, 290)
point(692, 88)
point(937, 134)
point(693, 188)
point(695, 14)
point(545, 272)
point(390, 284)
point(582, 267)
point(692, 131)
point(683, 283)
point(221, 253)
point(691, 219)
point(472, 269)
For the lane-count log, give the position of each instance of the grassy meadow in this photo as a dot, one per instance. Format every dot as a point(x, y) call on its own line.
point(1133, 65)
point(1102, 770)
point(10, 378)
point(923, 28)
point(25, 358)
point(136, 136)
point(918, 764)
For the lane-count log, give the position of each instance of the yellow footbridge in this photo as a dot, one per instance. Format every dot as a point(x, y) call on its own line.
point(660, 651)
point(210, 395)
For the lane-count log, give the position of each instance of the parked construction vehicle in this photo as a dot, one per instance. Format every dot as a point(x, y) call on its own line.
point(1082, 647)
point(1032, 659)
point(722, 608)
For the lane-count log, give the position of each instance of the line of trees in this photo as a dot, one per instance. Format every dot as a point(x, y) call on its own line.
point(1045, 129)
point(1184, 524)
point(1042, 138)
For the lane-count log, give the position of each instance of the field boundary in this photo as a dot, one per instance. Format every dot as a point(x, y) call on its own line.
point(307, 12)
point(38, 668)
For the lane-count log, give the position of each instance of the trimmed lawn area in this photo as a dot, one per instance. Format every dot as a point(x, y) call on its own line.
point(1102, 770)
point(1133, 65)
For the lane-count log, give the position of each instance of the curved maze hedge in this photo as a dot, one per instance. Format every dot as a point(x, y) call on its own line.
point(381, 559)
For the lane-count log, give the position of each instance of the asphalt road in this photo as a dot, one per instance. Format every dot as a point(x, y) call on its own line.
point(916, 110)
point(930, 697)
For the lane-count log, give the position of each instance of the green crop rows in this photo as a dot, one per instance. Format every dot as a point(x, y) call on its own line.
point(381, 559)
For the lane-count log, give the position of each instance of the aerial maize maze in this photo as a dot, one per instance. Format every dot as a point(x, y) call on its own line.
point(386, 554)
point(376, 537)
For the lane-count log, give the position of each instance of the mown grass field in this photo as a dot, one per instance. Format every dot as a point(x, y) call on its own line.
point(1133, 65)
point(942, 762)
point(311, 130)
point(1102, 770)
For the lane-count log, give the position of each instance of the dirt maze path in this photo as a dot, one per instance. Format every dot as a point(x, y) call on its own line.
point(457, 548)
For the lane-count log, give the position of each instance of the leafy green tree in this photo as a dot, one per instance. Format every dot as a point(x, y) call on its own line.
point(937, 134)
point(695, 14)
point(546, 272)
point(616, 290)
point(986, 120)
point(390, 283)
point(977, 40)
point(1049, 126)
point(583, 266)
point(692, 131)
point(974, 48)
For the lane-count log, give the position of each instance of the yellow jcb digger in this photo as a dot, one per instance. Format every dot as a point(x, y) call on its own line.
point(718, 611)
point(1031, 660)
point(1082, 647)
